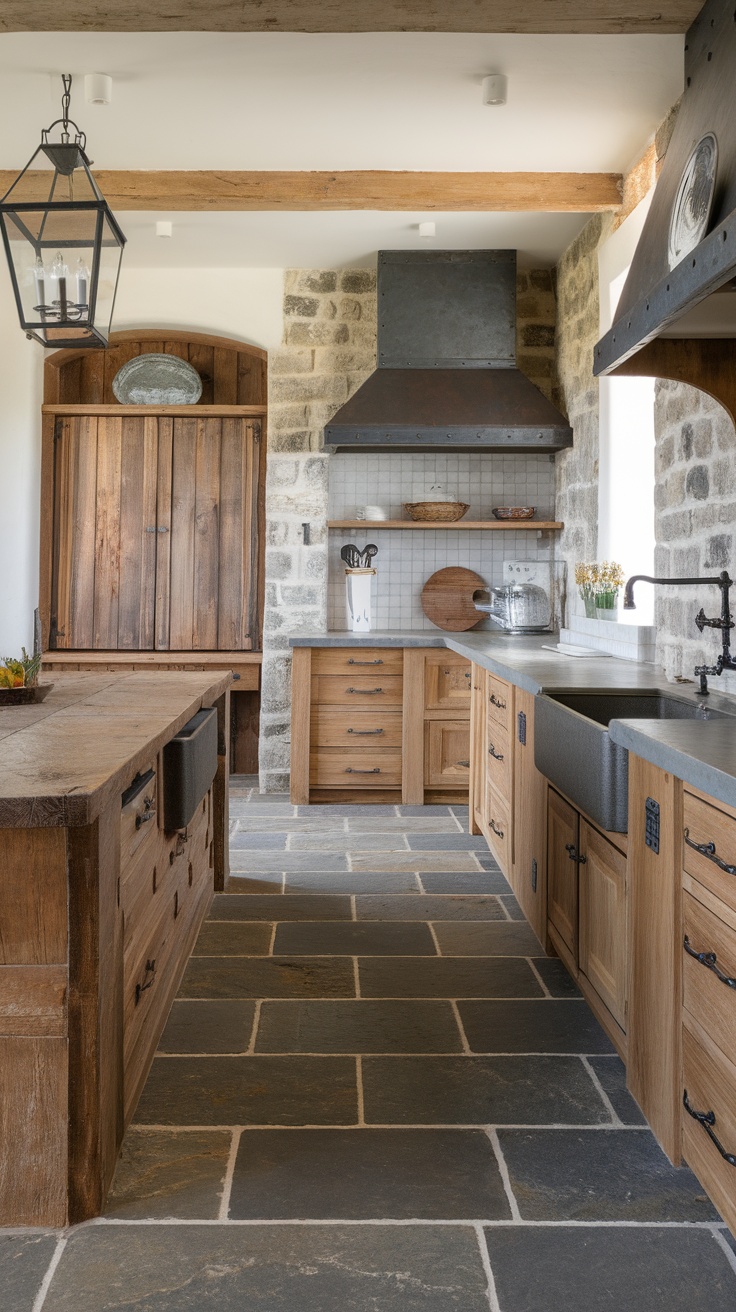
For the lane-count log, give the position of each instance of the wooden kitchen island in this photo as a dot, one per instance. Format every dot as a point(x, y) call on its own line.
point(99, 910)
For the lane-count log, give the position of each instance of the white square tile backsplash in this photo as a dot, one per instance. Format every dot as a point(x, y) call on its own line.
point(406, 558)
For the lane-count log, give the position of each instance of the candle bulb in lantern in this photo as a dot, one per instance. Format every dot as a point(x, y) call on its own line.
point(39, 277)
point(82, 283)
point(59, 274)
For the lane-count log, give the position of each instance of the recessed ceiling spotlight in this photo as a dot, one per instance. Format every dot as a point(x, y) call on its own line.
point(427, 229)
point(164, 228)
point(97, 88)
point(495, 87)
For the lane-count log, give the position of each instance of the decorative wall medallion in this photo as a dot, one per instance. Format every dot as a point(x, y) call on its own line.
point(155, 379)
point(694, 200)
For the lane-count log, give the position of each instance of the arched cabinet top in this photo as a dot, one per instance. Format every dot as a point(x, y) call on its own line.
point(232, 372)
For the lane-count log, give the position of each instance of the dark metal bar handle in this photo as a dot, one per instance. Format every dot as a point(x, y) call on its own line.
point(149, 814)
point(710, 960)
point(466, 764)
point(708, 1120)
point(497, 756)
point(574, 855)
point(141, 988)
point(494, 829)
point(364, 733)
point(365, 692)
point(709, 850)
point(376, 770)
point(495, 702)
point(378, 661)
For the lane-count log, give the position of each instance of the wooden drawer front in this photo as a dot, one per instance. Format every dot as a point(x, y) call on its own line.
point(138, 821)
point(447, 754)
point(709, 1078)
point(447, 683)
point(709, 999)
point(357, 690)
point(367, 767)
point(499, 701)
point(498, 821)
point(706, 825)
point(355, 727)
point(498, 760)
point(357, 660)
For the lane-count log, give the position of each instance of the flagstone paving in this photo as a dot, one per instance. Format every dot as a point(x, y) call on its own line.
point(374, 1091)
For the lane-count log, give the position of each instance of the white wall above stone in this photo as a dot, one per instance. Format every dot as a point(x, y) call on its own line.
point(242, 303)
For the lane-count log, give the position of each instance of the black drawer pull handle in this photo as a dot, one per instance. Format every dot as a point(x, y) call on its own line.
point(354, 662)
point(710, 960)
point(574, 855)
point(465, 764)
point(495, 702)
point(365, 692)
point(147, 982)
point(494, 829)
point(364, 733)
point(149, 814)
point(376, 770)
point(709, 850)
point(708, 1120)
point(497, 756)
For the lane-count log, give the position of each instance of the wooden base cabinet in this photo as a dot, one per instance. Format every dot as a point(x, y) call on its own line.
point(587, 911)
point(379, 724)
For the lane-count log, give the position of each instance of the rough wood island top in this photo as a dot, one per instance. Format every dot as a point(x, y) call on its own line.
point(62, 759)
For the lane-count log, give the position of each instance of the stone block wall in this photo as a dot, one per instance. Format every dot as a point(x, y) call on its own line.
point(328, 350)
point(577, 333)
point(695, 521)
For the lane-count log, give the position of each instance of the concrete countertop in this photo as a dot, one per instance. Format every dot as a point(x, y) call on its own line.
point(700, 752)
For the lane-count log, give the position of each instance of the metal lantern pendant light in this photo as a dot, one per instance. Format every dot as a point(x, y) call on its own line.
point(63, 243)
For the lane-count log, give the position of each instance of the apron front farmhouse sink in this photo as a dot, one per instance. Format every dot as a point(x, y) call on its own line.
point(573, 749)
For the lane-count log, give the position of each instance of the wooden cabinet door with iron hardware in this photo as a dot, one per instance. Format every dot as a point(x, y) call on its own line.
point(155, 533)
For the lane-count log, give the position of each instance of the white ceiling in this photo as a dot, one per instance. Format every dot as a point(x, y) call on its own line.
point(359, 101)
point(336, 239)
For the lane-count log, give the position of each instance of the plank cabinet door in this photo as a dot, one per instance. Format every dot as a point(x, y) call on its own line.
point(207, 598)
point(155, 533)
point(562, 870)
point(603, 956)
point(105, 535)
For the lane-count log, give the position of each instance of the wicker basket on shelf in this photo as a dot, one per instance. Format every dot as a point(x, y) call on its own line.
point(436, 512)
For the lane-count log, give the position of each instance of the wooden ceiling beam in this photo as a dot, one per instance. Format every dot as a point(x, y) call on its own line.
point(553, 193)
point(533, 16)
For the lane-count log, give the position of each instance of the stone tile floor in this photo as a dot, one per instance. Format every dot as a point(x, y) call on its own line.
point(375, 1094)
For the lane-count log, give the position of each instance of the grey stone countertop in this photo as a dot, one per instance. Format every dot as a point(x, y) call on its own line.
point(700, 752)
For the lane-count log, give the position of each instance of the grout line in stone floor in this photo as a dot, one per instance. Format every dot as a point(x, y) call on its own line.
point(491, 1293)
point(274, 927)
point(616, 1119)
point(464, 1221)
point(603, 1127)
point(538, 977)
point(504, 1173)
point(215, 1056)
point(719, 1234)
point(256, 1021)
point(40, 1298)
point(435, 940)
point(353, 907)
point(359, 1085)
point(227, 1184)
point(420, 884)
point(459, 1023)
point(356, 976)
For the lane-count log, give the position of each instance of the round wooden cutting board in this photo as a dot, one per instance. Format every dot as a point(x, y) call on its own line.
point(447, 598)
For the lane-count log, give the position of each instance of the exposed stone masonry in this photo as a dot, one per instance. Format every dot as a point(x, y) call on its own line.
point(328, 350)
point(695, 520)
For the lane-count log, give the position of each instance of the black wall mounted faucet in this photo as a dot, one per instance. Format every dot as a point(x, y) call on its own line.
point(724, 622)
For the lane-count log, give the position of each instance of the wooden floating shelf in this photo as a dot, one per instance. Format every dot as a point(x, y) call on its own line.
point(513, 525)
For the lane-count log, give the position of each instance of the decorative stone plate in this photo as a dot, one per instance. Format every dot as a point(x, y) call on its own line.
point(694, 200)
point(157, 380)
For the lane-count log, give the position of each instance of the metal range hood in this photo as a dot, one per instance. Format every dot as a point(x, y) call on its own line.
point(678, 286)
point(447, 378)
